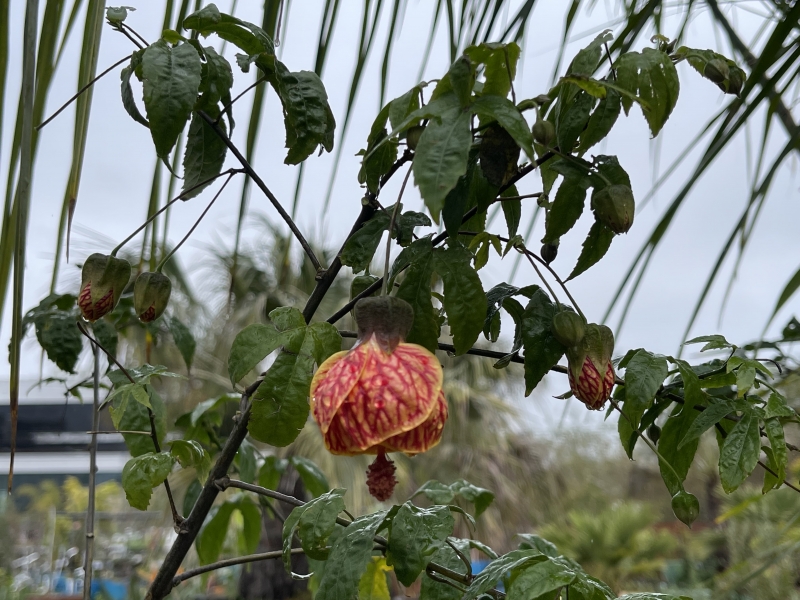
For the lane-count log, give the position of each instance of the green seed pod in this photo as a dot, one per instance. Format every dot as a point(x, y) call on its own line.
point(569, 328)
point(654, 433)
point(686, 507)
point(412, 136)
point(544, 132)
point(614, 206)
point(151, 295)
point(103, 279)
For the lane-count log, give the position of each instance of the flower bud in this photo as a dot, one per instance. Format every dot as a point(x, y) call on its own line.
point(614, 206)
point(412, 136)
point(654, 433)
point(151, 295)
point(686, 507)
point(568, 328)
point(544, 132)
point(549, 252)
point(591, 374)
point(103, 279)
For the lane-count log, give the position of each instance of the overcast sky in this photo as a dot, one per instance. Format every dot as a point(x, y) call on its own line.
point(120, 161)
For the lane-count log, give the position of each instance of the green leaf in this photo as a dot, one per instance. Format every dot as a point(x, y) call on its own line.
point(512, 210)
point(542, 349)
point(211, 537)
point(250, 346)
point(246, 36)
point(251, 525)
point(455, 204)
point(217, 79)
point(441, 157)
point(128, 102)
point(652, 77)
point(777, 442)
point(54, 321)
point(122, 396)
point(322, 341)
point(246, 461)
point(495, 570)
point(480, 497)
point(361, 246)
point(270, 473)
point(464, 299)
point(416, 534)
point(191, 496)
point(673, 431)
point(723, 72)
point(204, 154)
point(142, 473)
point(539, 579)
point(405, 224)
point(447, 557)
point(506, 114)
point(318, 522)
point(601, 121)
point(572, 115)
point(643, 376)
point(313, 478)
point(739, 453)
point(349, 558)
point(191, 454)
point(501, 66)
point(402, 106)
point(416, 290)
point(594, 248)
point(171, 79)
point(713, 342)
point(566, 208)
point(184, 340)
point(134, 416)
point(535, 542)
point(652, 596)
point(436, 491)
point(587, 59)
point(777, 407)
point(712, 415)
point(373, 584)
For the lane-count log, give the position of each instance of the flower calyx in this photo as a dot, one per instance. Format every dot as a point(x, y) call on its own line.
point(151, 294)
point(103, 279)
point(386, 318)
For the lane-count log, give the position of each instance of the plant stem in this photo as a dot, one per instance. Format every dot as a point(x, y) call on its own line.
point(227, 107)
point(539, 273)
point(81, 91)
point(89, 552)
point(196, 223)
point(230, 562)
point(263, 187)
point(391, 230)
point(170, 203)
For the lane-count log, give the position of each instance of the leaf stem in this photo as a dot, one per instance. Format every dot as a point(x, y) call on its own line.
point(539, 273)
point(263, 187)
point(230, 562)
point(196, 223)
point(227, 107)
point(391, 230)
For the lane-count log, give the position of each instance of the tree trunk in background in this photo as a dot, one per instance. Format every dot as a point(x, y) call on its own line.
point(268, 580)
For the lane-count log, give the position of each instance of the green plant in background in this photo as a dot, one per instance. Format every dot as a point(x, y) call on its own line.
point(467, 141)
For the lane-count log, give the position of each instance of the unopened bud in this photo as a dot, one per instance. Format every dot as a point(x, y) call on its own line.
point(614, 206)
point(103, 279)
point(151, 295)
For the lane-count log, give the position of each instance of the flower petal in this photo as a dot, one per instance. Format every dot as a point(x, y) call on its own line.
point(425, 436)
point(333, 381)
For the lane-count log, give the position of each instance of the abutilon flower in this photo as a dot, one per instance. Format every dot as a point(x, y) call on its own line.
point(591, 374)
point(151, 295)
point(383, 395)
point(103, 278)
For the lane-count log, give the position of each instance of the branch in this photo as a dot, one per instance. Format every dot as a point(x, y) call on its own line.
point(230, 562)
point(162, 584)
point(263, 187)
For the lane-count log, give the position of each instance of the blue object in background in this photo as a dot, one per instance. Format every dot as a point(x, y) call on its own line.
point(107, 589)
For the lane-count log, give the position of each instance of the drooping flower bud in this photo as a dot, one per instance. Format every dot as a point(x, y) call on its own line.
point(686, 507)
point(151, 295)
point(383, 395)
point(614, 206)
point(569, 328)
point(591, 374)
point(654, 433)
point(412, 136)
point(544, 132)
point(549, 252)
point(103, 279)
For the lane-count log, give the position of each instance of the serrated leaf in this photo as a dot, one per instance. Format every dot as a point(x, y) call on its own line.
point(601, 121)
point(464, 299)
point(134, 416)
point(171, 79)
point(436, 491)
point(644, 374)
point(712, 415)
point(441, 157)
point(128, 102)
point(447, 557)
point(542, 349)
point(191, 454)
point(142, 473)
point(566, 208)
point(204, 154)
point(777, 442)
point(373, 584)
point(494, 571)
point(184, 340)
point(506, 114)
point(572, 115)
point(416, 290)
point(416, 534)
point(594, 248)
point(250, 346)
point(652, 77)
point(360, 247)
point(480, 497)
point(539, 579)
point(739, 453)
point(349, 557)
point(318, 521)
point(501, 66)
point(536, 542)
point(777, 407)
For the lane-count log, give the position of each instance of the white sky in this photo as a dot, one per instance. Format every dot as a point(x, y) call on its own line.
point(120, 159)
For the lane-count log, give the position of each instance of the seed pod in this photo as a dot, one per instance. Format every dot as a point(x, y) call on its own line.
point(151, 295)
point(103, 279)
point(614, 206)
point(544, 132)
point(549, 252)
point(654, 433)
point(569, 328)
point(412, 136)
point(686, 507)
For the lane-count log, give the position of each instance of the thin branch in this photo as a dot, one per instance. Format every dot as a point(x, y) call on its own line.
point(227, 107)
point(539, 273)
point(81, 91)
point(391, 229)
point(136, 33)
point(90, 509)
point(177, 519)
point(230, 562)
point(263, 187)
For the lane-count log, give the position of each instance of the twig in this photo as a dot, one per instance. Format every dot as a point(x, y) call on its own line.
point(230, 562)
point(89, 553)
point(539, 273)
point(263, 187)
point(136, 33)
point(177, 519)
point(119, 431)
point(130, 37)
point(227, 107)
point(391, 229)
point(80, 91)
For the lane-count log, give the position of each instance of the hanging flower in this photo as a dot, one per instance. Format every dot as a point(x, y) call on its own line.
point(151, 295)
point(591, 374)
point(383, 395)
point(103, 278)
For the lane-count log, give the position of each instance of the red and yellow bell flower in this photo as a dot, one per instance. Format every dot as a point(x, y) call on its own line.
point(591, 374)
point(383, 395)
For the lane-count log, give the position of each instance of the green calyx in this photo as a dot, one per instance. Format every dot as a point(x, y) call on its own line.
point(568, 328)
point(103, 279)
point(412, 136)
point(597, 344)
point(614, 206)
point(544, 133)
point(388, 318)
point(359, 284)
point(151, 294)
point(686, 507)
